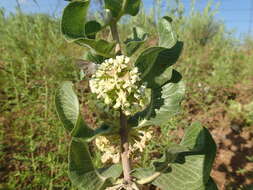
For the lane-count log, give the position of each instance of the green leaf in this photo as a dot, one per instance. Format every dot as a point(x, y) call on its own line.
point(169, 156)
point(67, 107)
point(199, 140)
point(190, 169)
point(83, 132)
point(115, 6)
point(165, 103)
point(82, 172)
point(92, 57)
point(133, 42)
point(91, 28)
point(101, 47)
point(209, 186)
point(167, 37)
point(120, 7)
point(132, 7)
point(154, 63)
point(75, 29)
point(74, 19)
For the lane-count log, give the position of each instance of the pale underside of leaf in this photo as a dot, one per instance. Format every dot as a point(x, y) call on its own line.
point(67, 107)
point(167, 36)
point(165, 103)
point(82, 172)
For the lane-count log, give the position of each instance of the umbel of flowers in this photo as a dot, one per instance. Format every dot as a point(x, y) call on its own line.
point(117, 82)
point(120, 81)
point(110, 146)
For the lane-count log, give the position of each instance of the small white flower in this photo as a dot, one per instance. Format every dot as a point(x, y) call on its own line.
point(145, 137)
point(127, 59)
point(109, 60)
point(137, 96)
point(117, 105)
point(107, 100)
point(135, 70)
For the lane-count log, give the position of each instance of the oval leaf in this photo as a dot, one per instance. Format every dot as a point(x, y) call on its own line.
point(132, 7)
point(91, 28)
point(165, 103)
point(133, 42)
point(167, 37)
point(67, 105)
point(191, 168)
point(73, 19)
point(75, 28)
point(92, 57)
point(101, 47)
point(82, 172)
point(153, 64)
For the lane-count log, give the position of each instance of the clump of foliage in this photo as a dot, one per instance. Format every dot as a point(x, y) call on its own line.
point(238, 111)
point(118, 81)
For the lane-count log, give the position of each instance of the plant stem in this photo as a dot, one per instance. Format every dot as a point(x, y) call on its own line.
point(125, 147)
point(115, 35)
point(124, 131)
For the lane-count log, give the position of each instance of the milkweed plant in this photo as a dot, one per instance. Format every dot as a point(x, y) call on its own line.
point(142, 90)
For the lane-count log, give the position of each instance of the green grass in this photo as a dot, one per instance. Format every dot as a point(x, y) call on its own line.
point(35, 58)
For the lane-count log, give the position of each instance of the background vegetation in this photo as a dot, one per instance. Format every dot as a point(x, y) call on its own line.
point(34, 59)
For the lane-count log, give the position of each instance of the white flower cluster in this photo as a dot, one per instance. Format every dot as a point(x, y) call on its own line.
point(144, 138)
point(110, 151)
point(110, 148)
point(116, 82)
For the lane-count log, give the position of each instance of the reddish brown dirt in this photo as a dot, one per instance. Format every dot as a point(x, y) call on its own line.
point(232, 167)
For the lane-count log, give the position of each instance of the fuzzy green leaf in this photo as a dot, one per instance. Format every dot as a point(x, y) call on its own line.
point(101, 47)
point(165, 103)
point(190, 169)
point(115, 6)
point(133, 42)
point(92, 57)
point(121, 7)
point(82, 131)
point(74, 19)
point(132, 7)
point(169, 156)
point(91, 28)
point(167, 37)
point(154, 64)
point(82, 172)
point(211, 185)
point(67, 107)
point(76, 29)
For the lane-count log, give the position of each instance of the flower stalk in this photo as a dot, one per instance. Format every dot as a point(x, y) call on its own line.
point(124, 131)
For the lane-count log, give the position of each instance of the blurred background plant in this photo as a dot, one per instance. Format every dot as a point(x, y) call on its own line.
point(216, 66)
